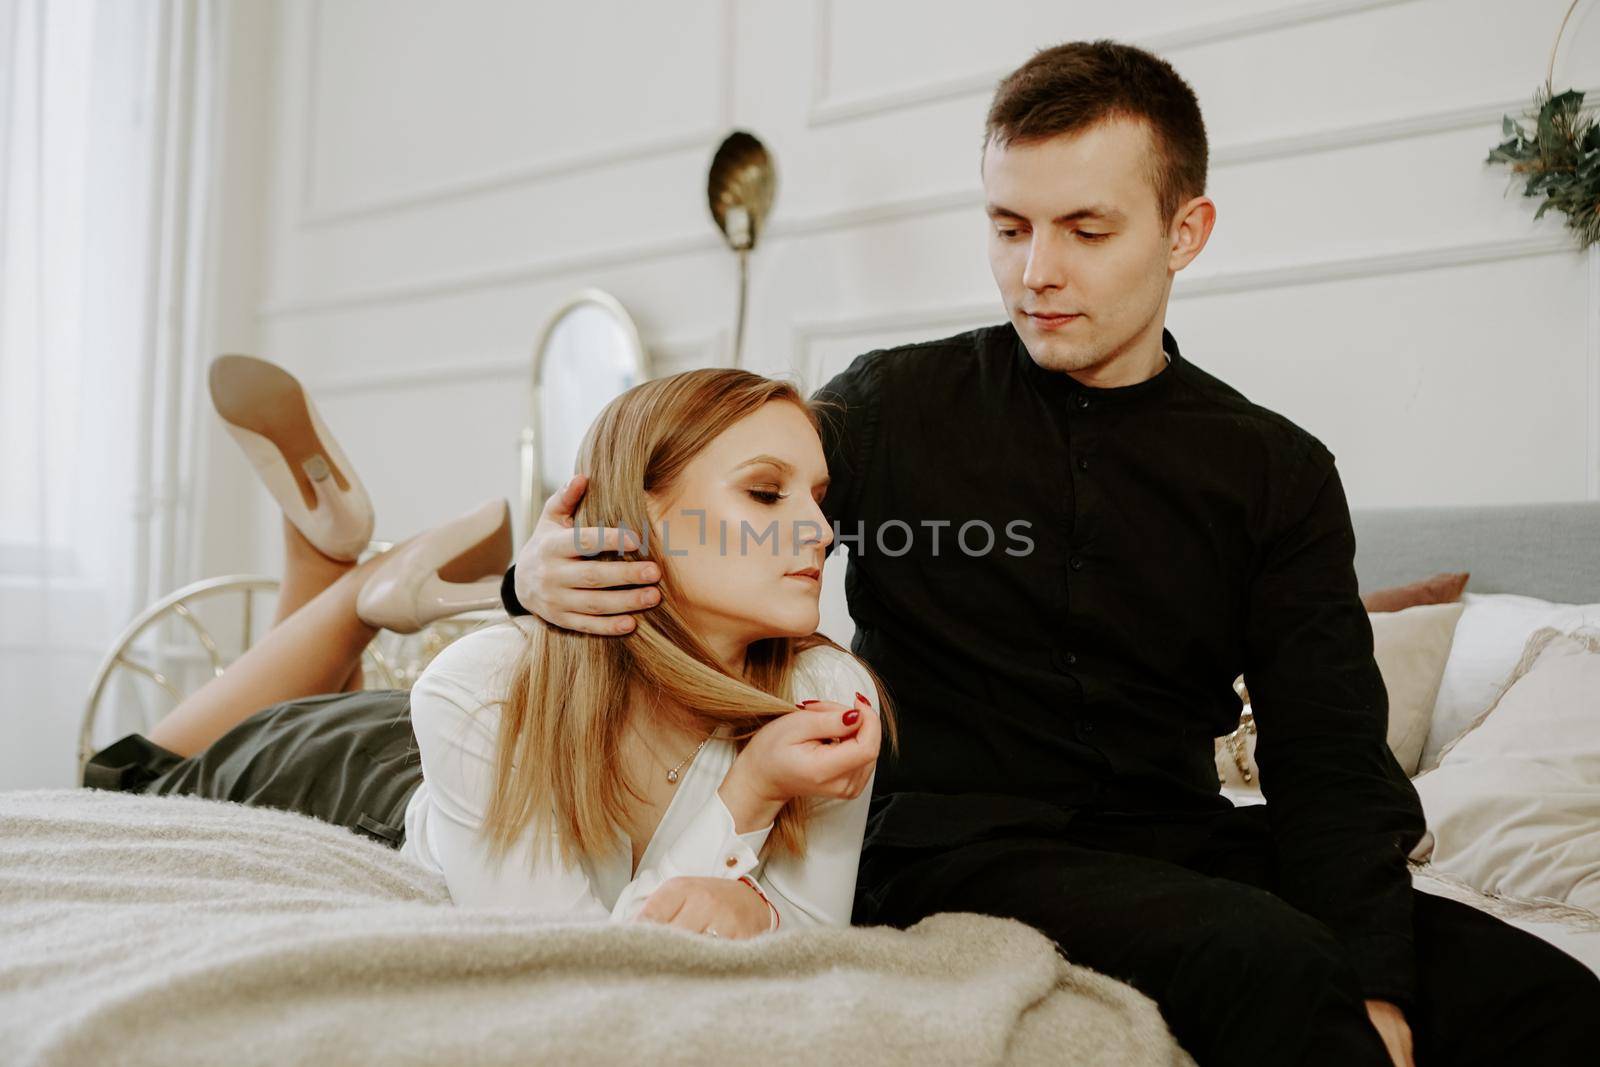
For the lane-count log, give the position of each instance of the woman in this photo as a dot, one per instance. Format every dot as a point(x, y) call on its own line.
point(666, 777)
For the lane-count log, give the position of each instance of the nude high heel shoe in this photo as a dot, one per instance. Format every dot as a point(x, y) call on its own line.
point(264, 408)
point(450, 569)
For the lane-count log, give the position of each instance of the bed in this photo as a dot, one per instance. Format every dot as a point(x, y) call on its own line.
point(175, 930)
point(172, 930)
point(1547, 551)
point(178, 931)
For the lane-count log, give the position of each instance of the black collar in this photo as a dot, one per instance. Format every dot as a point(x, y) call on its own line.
point(1060, 382)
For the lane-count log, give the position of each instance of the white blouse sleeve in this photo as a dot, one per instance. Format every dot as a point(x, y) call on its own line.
point(819, 889)
point(705, 848)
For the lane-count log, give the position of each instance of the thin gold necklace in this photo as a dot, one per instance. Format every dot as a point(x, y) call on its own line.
point(672, 775)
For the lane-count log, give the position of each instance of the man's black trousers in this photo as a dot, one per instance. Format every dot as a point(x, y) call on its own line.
point(1181, 906)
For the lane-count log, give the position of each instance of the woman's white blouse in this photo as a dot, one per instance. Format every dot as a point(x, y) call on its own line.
point(457, 723)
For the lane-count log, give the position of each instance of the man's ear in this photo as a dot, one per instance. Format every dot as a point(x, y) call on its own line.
point(1191, 229)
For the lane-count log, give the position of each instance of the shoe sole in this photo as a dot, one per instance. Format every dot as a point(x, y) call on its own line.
point(266, 399)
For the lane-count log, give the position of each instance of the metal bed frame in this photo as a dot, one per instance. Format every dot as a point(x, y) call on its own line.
point(391, 661)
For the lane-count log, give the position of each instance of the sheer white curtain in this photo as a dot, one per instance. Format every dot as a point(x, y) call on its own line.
point(107, 155)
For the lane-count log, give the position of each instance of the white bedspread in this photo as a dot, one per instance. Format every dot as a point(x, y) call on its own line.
point(170, 931)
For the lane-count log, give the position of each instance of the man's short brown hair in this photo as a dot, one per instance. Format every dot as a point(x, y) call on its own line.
point(1077, 85)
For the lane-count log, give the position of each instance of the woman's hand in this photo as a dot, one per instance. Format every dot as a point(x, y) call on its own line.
point(559, 580)
point(725, 905)
point(822, 749)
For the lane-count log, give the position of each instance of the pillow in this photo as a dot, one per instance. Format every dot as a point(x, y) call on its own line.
point(1492, 633)
point(1512, 804)
point(1411, 647)
point(1440, 589)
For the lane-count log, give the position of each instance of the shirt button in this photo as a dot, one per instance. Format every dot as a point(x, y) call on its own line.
point(1076, 563)
point(1084, 728)
point(732, 861)
point(1082, 401)
point(1063, 660)
point(1083, 464)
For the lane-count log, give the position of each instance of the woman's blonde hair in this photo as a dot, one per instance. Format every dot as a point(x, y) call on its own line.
point(567, 707)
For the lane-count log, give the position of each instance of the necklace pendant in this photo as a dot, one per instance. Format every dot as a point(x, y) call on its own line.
point(672, 776)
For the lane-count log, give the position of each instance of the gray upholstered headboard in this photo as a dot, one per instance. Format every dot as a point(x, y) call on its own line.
point(1551, 551)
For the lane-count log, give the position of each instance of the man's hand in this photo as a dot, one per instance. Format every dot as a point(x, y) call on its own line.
point(558, 580)
point(1392, 1027)
point(725, 905)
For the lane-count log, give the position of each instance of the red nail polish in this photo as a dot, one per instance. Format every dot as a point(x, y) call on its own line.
point(803, 703)
point(864, 700)
point(851, 716)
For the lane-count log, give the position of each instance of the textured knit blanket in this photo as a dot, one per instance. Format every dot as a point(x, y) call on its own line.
point(172, 930)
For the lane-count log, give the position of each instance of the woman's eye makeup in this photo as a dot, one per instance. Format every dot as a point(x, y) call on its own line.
point(766, 494)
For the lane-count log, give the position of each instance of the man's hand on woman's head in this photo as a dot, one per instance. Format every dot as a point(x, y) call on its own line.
point(558, 580)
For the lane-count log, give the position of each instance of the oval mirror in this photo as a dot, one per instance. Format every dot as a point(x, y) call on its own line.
point(588, 353)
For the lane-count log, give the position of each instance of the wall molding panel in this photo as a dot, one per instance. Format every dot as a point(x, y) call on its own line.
point(429, 243)
point(827, 109)
point(1592, 315)
point(471, 281)
point(1294, 273)
point(1349, 268)
point(1378, 131)
point(669, 355)
point(699, 141)
point(425, 375)
point(946, 317)
point(807, 333)
point(1404, 127)
point(699, 138)
point(710, 349)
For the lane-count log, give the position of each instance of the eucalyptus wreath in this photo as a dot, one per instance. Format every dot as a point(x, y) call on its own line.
point(1558, 159)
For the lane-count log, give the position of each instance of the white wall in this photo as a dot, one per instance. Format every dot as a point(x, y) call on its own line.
point(412, 187)
point(444, 175)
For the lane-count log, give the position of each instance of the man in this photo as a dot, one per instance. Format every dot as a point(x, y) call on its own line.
point(1058, 701)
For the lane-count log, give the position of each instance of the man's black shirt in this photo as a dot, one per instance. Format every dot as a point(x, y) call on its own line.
point(1058, 585)
point(1180, 536)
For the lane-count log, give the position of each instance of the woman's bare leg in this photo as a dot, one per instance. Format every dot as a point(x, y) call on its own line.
point(355, 681)
point(306, 572)
point(314, 650)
